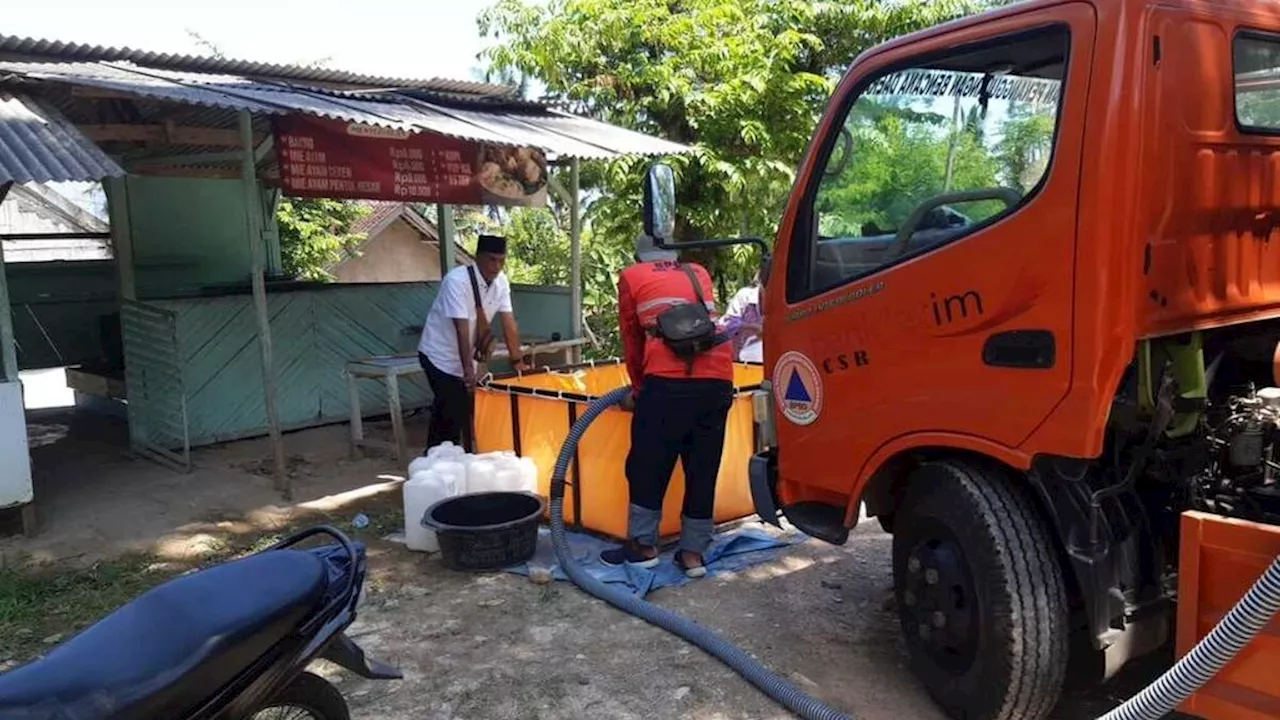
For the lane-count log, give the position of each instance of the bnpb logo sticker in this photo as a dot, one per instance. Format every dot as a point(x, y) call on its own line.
point(797, 388)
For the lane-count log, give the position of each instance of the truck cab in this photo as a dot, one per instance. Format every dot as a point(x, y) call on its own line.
point(1023, 309)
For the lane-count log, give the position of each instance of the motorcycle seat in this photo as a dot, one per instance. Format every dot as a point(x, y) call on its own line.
point(166, 652)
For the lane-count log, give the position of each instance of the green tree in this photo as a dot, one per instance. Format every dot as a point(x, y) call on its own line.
point(740, 81)
point(1025, 147)
point(316, 233)
point(902, 156)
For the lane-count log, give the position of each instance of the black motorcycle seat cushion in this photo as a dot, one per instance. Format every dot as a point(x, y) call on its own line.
point(166, 652)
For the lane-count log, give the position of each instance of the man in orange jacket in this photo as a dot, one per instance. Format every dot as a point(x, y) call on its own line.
point(681, 406)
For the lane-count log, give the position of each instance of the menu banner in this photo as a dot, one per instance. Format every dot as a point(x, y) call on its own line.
point(330, 158)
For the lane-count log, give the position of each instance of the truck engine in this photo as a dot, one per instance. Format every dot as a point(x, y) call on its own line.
point(1189, 435)
point(1238, 478)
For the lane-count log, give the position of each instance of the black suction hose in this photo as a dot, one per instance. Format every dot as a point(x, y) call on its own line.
point(786, 694)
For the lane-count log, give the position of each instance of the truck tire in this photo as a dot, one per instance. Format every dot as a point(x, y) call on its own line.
point(980, 594)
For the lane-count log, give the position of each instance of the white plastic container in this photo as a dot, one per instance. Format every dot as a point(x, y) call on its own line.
point(420, 492)
point(453, 477)
point(528, 475)
point(422, 464)
point(480, 476)
point(442, 479)
point(506, 476)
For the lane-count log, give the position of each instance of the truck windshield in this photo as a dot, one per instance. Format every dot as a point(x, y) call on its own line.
point(937, 150)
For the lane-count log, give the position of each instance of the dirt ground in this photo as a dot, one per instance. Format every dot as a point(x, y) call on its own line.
point(497, 645)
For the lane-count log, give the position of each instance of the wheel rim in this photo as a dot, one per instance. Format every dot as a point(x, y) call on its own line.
point(939, 601)
point(286, 712)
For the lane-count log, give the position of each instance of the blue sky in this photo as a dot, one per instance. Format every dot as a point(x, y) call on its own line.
point(406, 38)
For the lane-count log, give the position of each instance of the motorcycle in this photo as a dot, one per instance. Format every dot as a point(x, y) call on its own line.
point(231, 642)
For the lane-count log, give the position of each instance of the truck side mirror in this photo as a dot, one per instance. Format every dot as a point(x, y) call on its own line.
point(660, 203)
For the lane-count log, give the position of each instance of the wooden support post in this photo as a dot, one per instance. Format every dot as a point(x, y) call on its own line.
point(357, 416)
point(397, 416)
point(575, 259)
point(253, 223)
point(448, 234)
point(117, 190)
point(8, 353)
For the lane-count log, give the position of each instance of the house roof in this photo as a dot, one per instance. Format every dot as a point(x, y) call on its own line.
point(38, 144)
point(42, 203)
point(40, 211)
point(386, 213)
point(39, 49)
point(89, 84)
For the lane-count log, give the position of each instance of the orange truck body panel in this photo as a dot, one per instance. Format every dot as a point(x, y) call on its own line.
point(1220, 559)
point(1157, 215)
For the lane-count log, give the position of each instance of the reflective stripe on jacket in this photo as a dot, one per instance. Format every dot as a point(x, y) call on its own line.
point(645, 290)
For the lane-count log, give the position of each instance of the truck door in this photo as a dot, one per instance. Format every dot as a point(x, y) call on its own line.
point(924, 290)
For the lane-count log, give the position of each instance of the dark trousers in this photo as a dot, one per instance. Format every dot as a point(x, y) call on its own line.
point(452, 406)
point(685, 419)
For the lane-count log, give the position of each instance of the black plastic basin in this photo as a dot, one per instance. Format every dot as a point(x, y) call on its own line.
point(486, 531)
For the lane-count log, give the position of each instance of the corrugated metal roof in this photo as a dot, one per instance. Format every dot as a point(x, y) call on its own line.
point(38, 145)
point(65, 52)
point(557, 133)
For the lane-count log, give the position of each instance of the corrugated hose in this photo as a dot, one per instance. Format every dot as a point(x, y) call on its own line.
point(736, 658)
point(1161, 697)
point(1210, 655)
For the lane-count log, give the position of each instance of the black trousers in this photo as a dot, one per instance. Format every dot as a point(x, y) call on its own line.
point(452, 407)
point(678, 418)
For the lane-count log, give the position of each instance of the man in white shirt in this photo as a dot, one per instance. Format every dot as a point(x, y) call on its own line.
point(448, 348)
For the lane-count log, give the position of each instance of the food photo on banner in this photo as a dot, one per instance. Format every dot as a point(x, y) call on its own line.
point(332, 158)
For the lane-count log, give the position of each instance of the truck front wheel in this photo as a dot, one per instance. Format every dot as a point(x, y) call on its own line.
point(980, 594)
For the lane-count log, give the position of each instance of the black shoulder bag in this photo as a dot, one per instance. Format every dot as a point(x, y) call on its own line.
point(687, 328)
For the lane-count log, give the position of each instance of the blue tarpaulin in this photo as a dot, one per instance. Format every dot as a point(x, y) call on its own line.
point(731, 552)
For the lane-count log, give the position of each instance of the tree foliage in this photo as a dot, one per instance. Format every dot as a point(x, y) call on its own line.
point(316, 233)
point(742, 82)
point(902, 157)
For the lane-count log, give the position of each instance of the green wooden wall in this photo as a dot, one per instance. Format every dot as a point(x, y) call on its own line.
point(64, 313)
point(187, 233)
point(315, 332)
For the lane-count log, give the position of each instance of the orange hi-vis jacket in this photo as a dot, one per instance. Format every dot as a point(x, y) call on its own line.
point(645, 290)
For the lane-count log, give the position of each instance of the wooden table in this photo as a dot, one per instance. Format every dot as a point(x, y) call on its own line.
point(390, 368)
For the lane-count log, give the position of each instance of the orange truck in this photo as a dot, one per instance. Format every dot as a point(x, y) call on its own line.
point(1024, 308)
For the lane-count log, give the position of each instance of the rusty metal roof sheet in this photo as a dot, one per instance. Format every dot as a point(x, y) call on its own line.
point(35, 48)
point(558, 133)
point(38, 145)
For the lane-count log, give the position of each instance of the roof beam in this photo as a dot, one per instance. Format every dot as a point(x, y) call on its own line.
point(165, 133)
point(264, 147)
point(221, 158)
point(224, 173)
point(56, 236)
